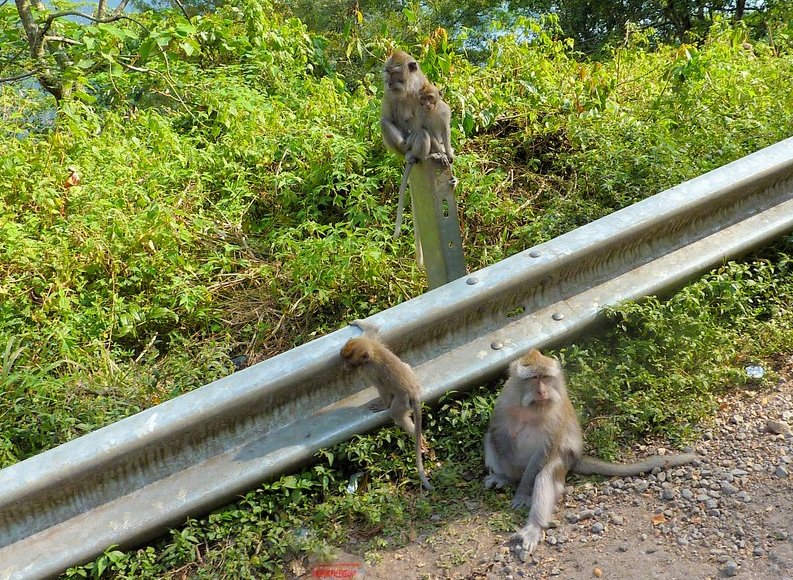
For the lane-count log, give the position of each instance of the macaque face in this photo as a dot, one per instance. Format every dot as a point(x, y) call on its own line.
point(428, 102)
point(540, 390)
point(398, 71)
point(541, 378)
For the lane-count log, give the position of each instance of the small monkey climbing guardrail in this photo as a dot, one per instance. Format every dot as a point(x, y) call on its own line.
point(131, 480)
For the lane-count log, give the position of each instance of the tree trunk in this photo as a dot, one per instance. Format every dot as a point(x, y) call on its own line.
point(740, 8)
point(48, 81)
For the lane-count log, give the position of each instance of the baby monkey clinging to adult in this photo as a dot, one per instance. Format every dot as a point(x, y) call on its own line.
point(395, 381)
point(534, 439)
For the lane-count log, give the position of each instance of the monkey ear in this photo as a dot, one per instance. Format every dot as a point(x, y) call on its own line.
point(413, 66)
point(366, 356)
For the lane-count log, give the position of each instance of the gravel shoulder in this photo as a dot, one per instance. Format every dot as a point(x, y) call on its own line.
point(729, 515)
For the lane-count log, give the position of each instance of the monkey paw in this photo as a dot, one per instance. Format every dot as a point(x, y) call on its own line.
point(375, 406)
point(497, 481)
point(528, 537)
point(520, 501)
point(440, 158)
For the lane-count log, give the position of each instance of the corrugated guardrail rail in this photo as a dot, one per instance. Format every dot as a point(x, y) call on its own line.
point(128, 481)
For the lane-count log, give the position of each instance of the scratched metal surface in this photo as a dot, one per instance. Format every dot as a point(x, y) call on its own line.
point(131, 480)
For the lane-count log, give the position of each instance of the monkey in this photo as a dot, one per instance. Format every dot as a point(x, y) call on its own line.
point(396, 383)
point(430, 138)
point(534, 439)
point(435, 118)
point(402, 79)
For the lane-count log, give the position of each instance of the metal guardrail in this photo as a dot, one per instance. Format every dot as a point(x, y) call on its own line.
point(129, 481)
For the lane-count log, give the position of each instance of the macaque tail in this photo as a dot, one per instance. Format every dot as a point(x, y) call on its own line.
point(589, 465)
point(409, 163)
point(416, 404)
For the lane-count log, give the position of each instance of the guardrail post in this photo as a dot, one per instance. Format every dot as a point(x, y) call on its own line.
point(435, 222)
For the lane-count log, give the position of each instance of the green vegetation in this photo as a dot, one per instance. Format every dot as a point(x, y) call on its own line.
point(235, 199)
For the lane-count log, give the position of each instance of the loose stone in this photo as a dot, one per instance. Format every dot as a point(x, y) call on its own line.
point(728, 489)
point(730, 568)
point(777, 427)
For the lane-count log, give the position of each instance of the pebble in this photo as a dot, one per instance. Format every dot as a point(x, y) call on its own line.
point(728, 489)
point(777, 427)
point(597, 528)
point(780, 471)
point(730, 568)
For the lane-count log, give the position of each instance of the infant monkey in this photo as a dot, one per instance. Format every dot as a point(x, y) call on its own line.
point(534, 439)
point(395, 381)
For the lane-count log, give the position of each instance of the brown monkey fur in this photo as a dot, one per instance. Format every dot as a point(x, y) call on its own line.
point(534, 439)
point(395, 381)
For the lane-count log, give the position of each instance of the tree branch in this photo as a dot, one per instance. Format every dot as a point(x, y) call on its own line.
point(11, 60)
point(18, 77)
point(120, 8)
point(63, 40)
point(30, 27)
point(134, 68)
point(180, 4)
point(52, 17)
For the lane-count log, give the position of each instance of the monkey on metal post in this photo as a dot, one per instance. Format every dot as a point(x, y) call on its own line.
point(534, 439)
point(430, 138)
point(415, 123)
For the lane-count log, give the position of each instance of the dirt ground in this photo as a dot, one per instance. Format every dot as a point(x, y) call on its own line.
point(730, 515)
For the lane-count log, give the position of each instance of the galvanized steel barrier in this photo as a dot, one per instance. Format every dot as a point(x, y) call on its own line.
point(131, 480)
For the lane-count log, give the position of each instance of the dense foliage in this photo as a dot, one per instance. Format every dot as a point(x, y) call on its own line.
point(234, 200)
point(594, 25)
